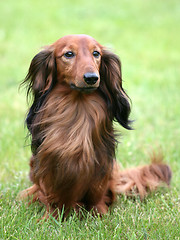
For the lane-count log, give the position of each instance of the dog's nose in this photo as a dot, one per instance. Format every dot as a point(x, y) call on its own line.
point(90, 78)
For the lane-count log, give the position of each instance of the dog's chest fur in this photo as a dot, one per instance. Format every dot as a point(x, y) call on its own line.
point(77, 138)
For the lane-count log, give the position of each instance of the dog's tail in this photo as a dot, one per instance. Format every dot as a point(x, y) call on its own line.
point(142, 180)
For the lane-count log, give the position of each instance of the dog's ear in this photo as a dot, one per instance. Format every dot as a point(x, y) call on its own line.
point(40, 80)
point(111, 88)
point(41, 73)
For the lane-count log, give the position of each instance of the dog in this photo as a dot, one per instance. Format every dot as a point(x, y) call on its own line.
point(77, 93)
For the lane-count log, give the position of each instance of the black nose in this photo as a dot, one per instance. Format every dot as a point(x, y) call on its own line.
point(90, 78)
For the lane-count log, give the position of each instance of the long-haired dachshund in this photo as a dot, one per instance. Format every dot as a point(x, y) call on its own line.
point(77, 92)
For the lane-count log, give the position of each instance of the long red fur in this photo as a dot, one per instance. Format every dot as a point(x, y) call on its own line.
point(73, 140)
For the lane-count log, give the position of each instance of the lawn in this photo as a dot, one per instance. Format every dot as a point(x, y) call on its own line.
point(146, 36)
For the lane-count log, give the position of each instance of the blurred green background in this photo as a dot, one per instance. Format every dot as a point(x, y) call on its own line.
point(146, 36)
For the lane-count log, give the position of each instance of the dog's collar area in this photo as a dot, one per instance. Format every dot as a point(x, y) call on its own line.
point(83, 89)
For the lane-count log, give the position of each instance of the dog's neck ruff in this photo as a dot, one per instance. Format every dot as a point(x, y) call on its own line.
point(70, 123)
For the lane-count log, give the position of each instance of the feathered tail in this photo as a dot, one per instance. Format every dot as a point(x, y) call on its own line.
point(142, 180)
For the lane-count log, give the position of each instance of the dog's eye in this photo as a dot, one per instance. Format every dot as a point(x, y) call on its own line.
point(69, 54)
point(96, 54)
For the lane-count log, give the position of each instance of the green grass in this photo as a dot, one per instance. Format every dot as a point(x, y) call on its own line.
point(146, 36)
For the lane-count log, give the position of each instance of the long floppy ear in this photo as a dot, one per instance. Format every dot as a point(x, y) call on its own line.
point(111, 88)
point(40, 80)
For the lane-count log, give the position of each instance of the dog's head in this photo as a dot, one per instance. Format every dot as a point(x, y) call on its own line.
point(83, 65)
point(78, 59)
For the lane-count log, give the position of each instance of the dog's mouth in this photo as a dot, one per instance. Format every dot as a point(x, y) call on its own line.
point(83, 89)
